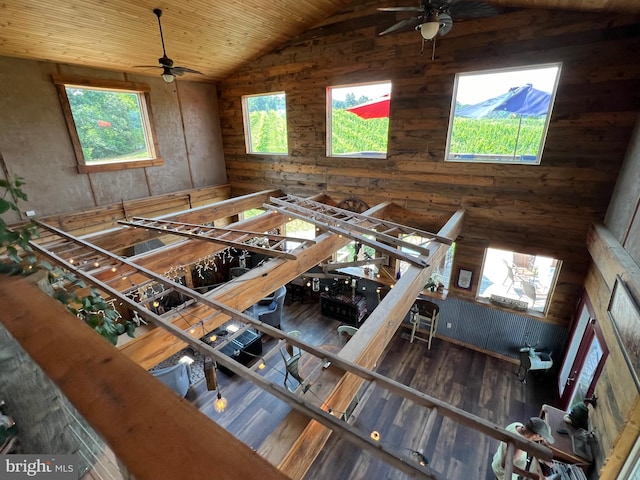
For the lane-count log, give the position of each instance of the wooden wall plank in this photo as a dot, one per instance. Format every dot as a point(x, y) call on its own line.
point(617, 417)
point(533, 209)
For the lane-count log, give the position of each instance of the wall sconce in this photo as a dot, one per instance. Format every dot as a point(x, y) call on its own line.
point(316, 284)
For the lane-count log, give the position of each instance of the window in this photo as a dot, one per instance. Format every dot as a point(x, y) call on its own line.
point(298, 228)
point(265, 123)
point(358, 120)
point(354, 252)
point(254, 212)
point(501, 116)
point(522, 281)
point(441, 273)
point(109, 122)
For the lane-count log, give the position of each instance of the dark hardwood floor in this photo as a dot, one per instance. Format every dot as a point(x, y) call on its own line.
point(475, 382)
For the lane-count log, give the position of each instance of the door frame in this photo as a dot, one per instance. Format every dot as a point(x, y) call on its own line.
point(591, 330)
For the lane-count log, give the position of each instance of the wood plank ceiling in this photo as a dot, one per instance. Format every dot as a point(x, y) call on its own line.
point(215, 38)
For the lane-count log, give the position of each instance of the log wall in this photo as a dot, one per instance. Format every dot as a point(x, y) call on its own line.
point(616, 419)
point(542, 209)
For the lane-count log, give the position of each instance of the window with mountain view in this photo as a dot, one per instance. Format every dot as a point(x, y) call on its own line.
point(501, 116)
point(109, 123)
point(358, 120)
point(265, 123)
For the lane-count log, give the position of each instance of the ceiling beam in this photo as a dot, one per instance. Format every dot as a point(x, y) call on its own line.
point(365, 349)
point(139, 414)
point(240, 293)
point(118, 238)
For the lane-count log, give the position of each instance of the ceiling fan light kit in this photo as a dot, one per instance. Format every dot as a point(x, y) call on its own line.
point(435, 17)
point(428, 30)
point(168, 76)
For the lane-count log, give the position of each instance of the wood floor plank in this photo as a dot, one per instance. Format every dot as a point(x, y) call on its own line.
point(471, 380)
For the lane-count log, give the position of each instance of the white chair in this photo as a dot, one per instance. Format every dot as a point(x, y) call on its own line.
point(345, 332)
point(424, 320)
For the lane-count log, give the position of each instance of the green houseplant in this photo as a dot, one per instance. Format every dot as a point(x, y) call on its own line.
point(18, 258)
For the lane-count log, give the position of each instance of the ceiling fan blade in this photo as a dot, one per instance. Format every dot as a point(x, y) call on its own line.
point(403, 25)
point(400, 9)
point(471, 9)
point(446, 24)
point(183, 70)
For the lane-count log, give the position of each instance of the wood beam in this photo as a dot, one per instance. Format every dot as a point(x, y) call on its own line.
point(241, 293)
point(118, 238)
point(139, 414)
point(364, 349)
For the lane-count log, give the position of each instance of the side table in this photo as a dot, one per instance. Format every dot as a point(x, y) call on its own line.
point(562, 448)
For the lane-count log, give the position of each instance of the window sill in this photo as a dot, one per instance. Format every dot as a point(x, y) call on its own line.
point(527, 313)
point(267, 154)
point(112, 167)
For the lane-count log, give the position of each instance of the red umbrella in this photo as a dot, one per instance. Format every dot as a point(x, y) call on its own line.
point(378, 108)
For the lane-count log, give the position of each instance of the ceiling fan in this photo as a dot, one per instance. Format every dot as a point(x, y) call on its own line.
point(169, 71)
point(435, 17)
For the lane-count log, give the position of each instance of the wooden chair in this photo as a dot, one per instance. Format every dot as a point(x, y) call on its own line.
point(348, 332)
point(424, 320)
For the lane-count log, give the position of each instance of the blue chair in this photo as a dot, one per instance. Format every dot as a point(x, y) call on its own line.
point(175, 377)
point(269, 310)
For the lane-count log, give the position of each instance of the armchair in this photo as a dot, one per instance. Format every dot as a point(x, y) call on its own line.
point(175, 377)
point(269, 310)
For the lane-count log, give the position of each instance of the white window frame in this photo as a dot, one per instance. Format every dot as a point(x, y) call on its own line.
point(246, 118)
point(522, 276)
point(329, 108)
point(472, 157)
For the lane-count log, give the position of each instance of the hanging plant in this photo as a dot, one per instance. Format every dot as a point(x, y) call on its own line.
point(19, 259)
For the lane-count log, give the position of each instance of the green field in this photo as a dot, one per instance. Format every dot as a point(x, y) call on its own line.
point(352, 134)
point(496, 136)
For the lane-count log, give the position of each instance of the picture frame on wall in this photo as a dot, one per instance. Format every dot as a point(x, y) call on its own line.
point(625, 319)
point(464, 278)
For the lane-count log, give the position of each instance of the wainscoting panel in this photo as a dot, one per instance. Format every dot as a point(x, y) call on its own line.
point(498, 331)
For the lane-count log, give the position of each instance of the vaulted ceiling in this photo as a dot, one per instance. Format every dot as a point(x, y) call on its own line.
point(213, 37)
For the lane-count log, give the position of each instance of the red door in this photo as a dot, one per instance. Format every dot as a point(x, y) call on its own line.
point(584, 359)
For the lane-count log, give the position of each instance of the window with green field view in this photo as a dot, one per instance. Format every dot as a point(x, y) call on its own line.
point(441, 273)
point(355, 251)
point(254, 212)
point(109, 126)
point(265, 123)
point(501, 116)
point(298, 228)
point(358, 120)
